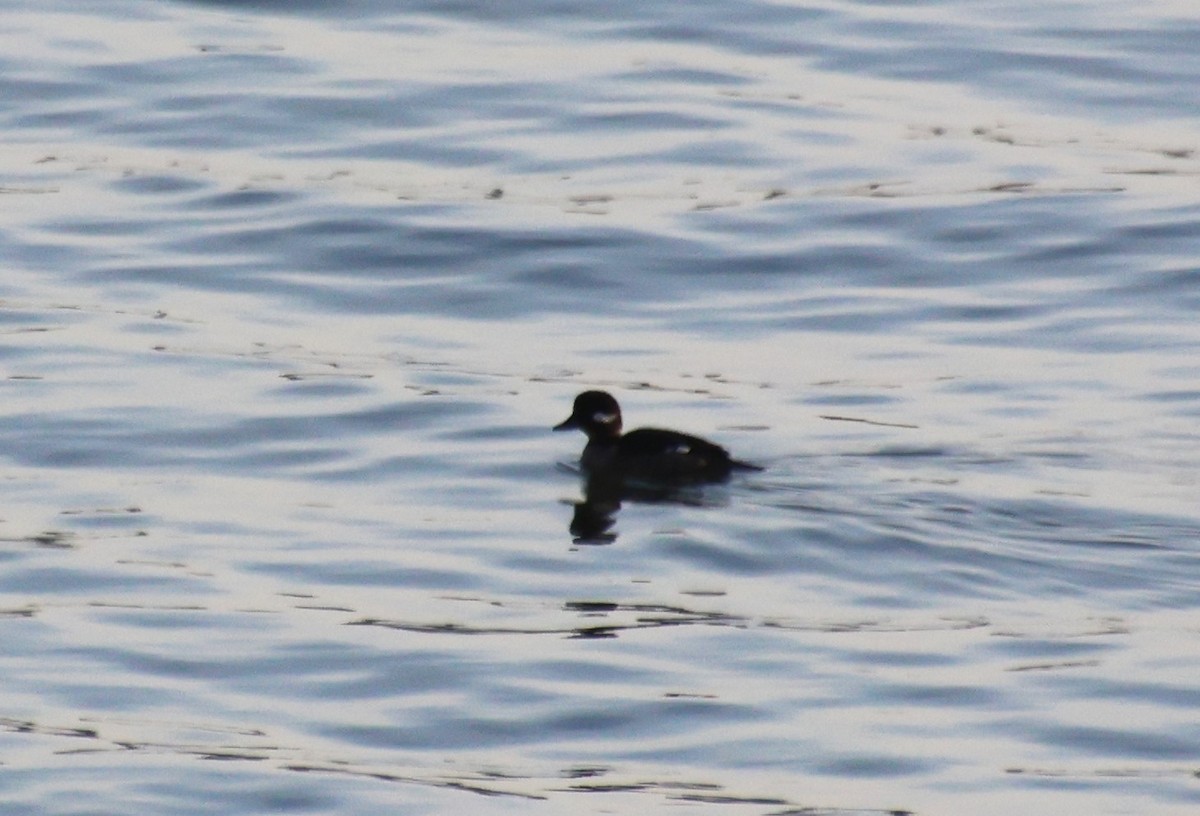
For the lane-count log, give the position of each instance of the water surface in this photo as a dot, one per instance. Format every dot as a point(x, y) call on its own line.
point(294, 292)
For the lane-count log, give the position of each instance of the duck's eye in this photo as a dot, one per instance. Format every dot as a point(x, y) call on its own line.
point(601, 418)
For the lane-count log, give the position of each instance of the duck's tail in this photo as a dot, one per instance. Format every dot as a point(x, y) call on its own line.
point(736, 464)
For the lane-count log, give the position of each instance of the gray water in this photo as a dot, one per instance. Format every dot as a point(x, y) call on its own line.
point(293, 292)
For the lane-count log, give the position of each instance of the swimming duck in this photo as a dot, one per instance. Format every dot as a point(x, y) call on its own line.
point(650, 454)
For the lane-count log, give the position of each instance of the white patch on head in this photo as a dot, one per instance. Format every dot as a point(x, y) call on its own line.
point(601, 418)
point(683, 450)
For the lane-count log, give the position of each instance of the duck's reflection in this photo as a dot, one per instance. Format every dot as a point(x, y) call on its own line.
point(595, 518)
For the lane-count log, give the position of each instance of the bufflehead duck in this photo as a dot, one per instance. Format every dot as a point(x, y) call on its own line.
point(651, 454)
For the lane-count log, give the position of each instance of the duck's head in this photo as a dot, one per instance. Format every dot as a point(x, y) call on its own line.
point(595, 413)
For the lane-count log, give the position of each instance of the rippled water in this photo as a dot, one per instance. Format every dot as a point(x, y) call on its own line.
point(293, 293)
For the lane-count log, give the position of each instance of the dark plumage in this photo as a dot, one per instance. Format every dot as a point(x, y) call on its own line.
point(651, 454)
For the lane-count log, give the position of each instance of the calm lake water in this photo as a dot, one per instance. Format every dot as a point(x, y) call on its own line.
point(292, 294)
